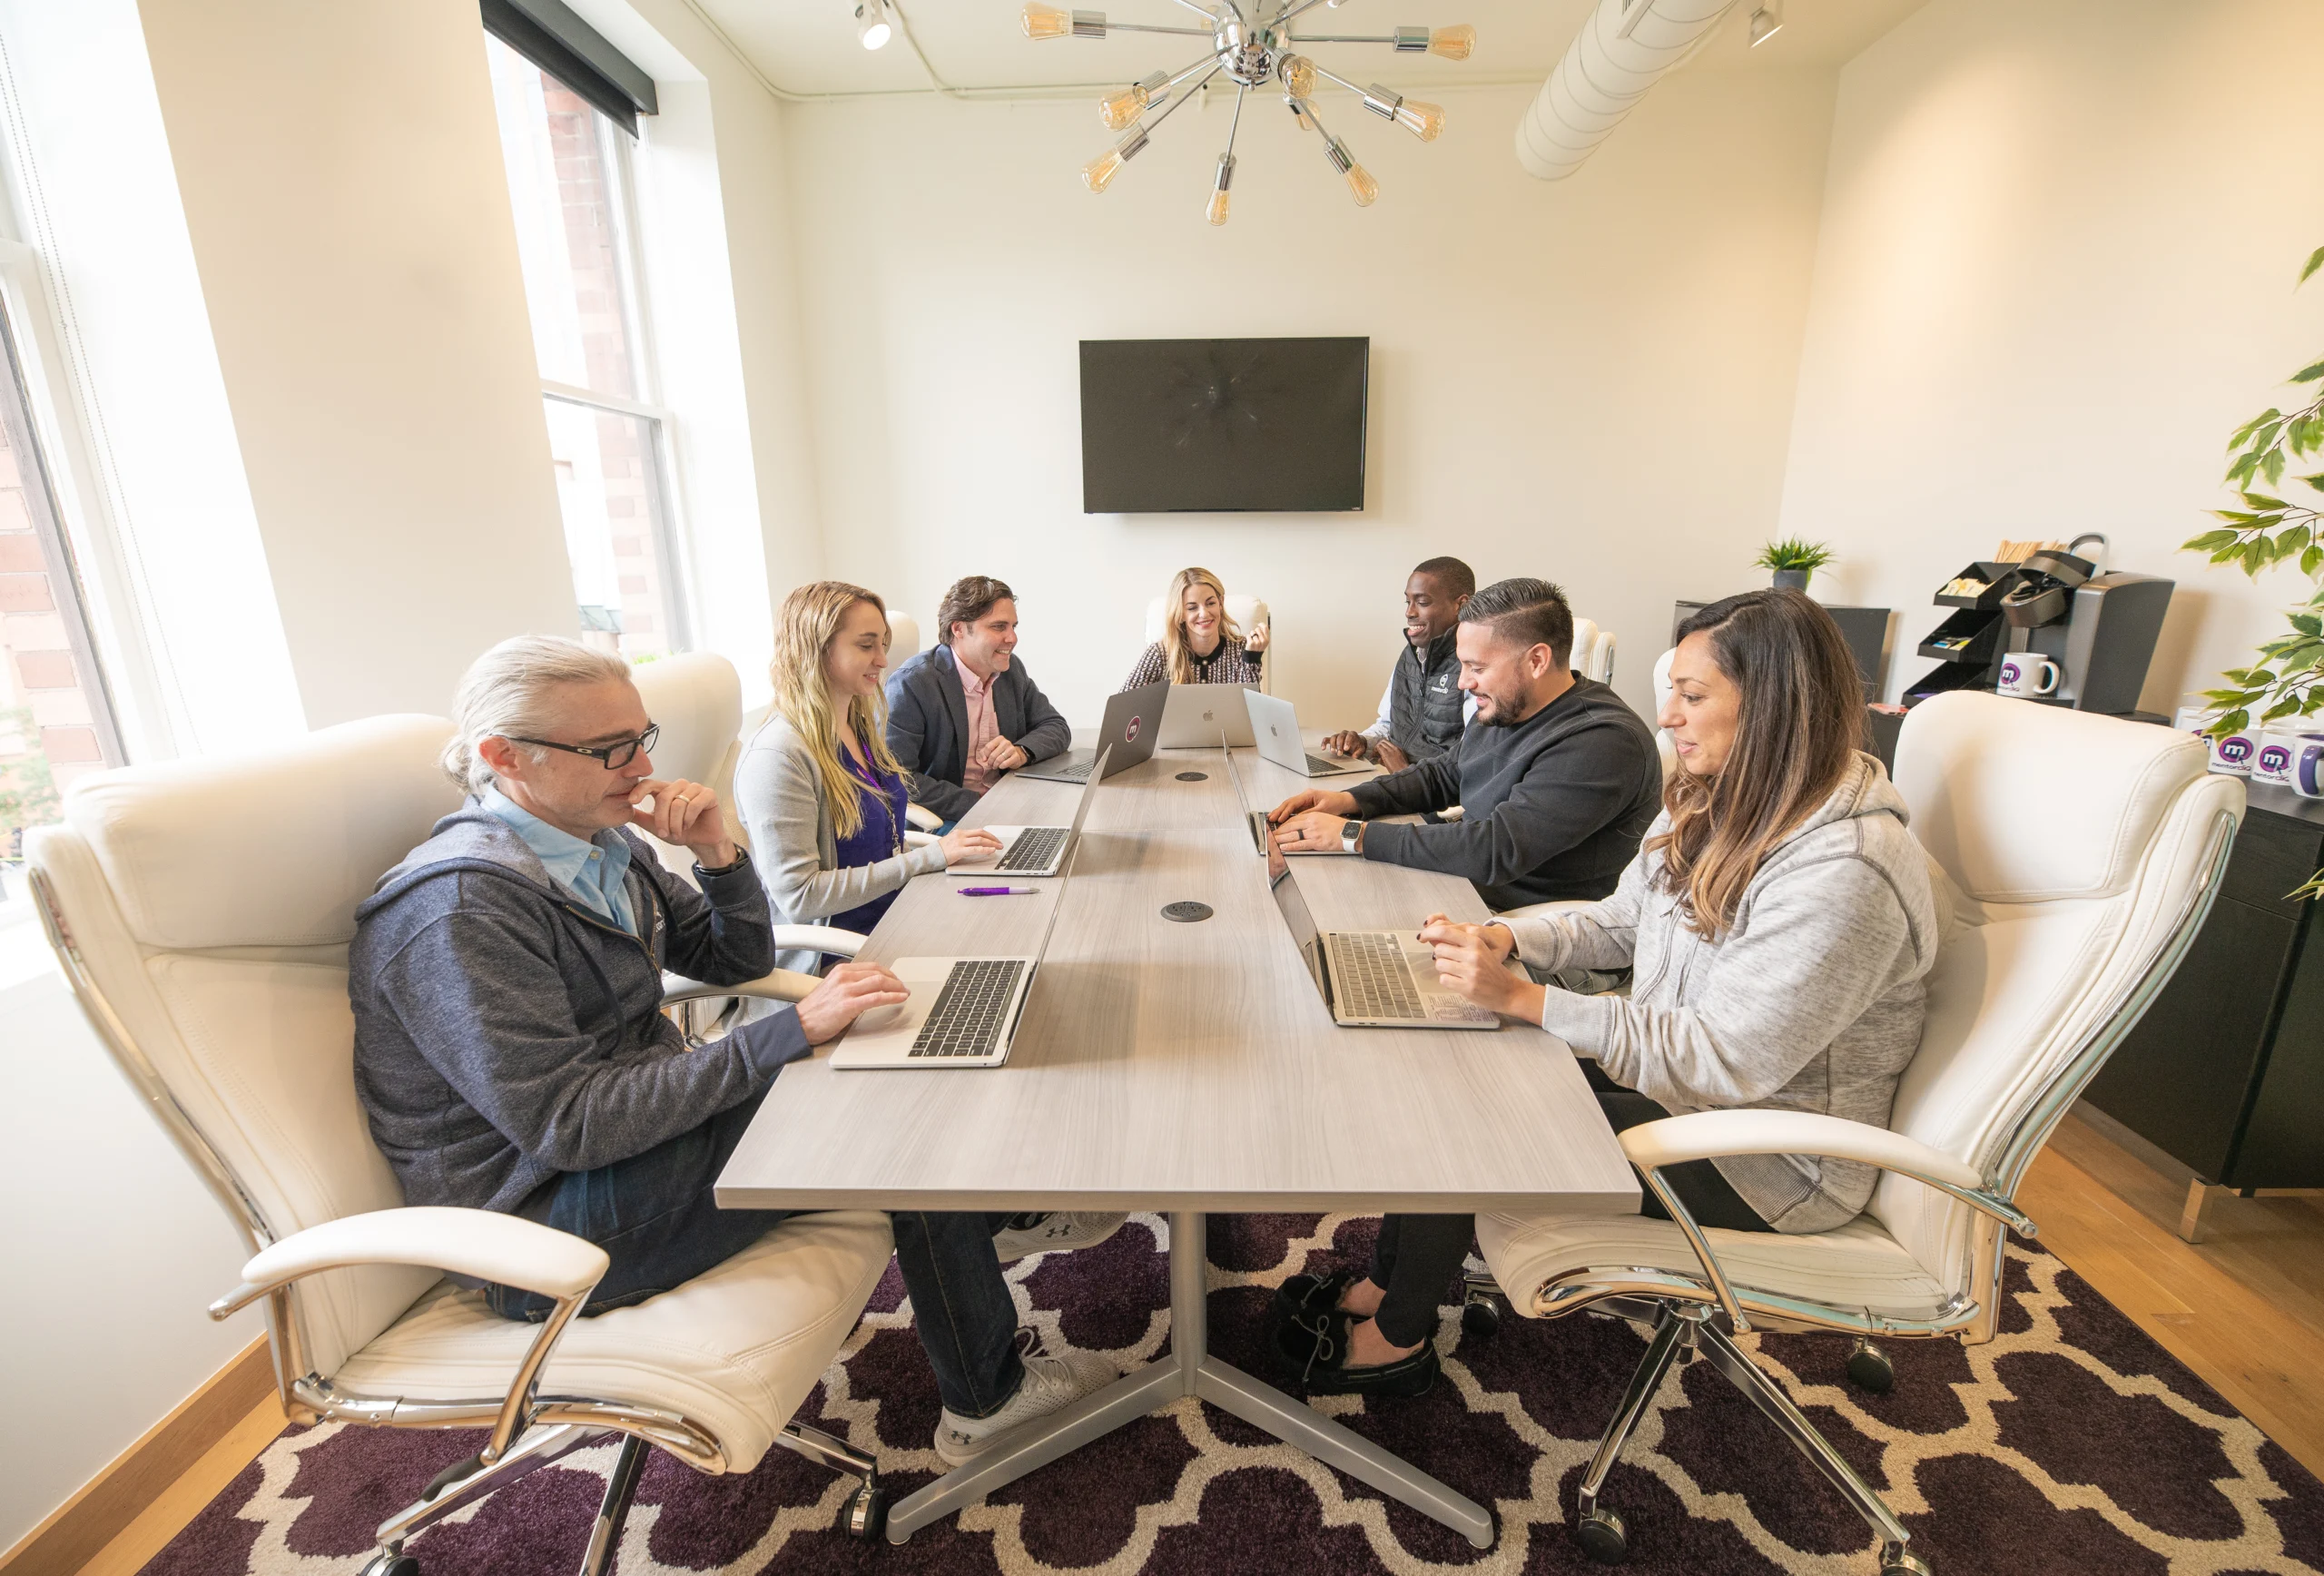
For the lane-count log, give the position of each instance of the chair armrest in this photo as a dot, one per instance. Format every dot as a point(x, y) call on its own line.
point(1708, 1134)
point(919, 839)
point(1543, 910)
point(782, 985)
point(482, 1243)
point(817, 938)
point(921, 816)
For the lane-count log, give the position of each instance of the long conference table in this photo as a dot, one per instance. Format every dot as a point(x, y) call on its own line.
point(1185, 1067)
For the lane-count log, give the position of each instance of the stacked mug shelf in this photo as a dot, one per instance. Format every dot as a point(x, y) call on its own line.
point(1970, 644)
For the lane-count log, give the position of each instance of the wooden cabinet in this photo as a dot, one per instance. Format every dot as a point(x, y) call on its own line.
point(2226, 1070)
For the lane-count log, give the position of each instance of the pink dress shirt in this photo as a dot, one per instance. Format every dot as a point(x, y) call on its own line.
point(983, 728)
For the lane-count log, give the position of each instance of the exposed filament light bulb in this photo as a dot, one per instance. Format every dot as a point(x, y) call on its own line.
point(1130, 104)
point(1048, 22)
point(1360, 183)
point(1216, 212)
point(1453, 42)
point(1297, 74)
point(1307, 122)
point(1425, 121)
point(1099, 173)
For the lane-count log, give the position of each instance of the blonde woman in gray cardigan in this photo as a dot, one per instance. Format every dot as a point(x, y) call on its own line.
point(1780, 922)
point(821, 794)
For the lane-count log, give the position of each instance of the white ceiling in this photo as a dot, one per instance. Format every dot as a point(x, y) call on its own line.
point(808, 46)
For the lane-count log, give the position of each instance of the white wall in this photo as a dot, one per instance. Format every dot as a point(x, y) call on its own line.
point(349, 214)
point(2055, 271)
point(1590, 381)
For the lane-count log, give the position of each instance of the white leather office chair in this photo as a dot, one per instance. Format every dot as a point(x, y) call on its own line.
point(1593, 651)
point(697, 699)
point(203, 918)
point(2084, 853)
point(903, 637)
point(1247, 613)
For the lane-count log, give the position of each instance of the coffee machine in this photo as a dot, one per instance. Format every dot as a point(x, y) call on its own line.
point(2099, 628)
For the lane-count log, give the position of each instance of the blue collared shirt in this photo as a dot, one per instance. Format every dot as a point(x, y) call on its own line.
point(593, 872)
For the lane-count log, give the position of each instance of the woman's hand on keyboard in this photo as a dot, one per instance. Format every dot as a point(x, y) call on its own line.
point(1469, 960)
point(968, 842)
point(847, 993)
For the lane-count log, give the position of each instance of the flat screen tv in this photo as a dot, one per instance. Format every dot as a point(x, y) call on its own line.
point(1175, 425)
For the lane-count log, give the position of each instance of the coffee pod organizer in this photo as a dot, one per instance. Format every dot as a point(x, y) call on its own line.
point(2099, 628)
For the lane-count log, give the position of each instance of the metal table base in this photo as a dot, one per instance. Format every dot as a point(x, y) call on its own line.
point(1190, 1370)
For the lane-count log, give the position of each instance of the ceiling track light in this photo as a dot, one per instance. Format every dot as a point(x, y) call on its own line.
point(1251, 44)
point(1767, 21)
point(875, 23)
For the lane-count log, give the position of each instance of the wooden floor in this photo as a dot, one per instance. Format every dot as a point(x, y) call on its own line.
point(2245, 1309)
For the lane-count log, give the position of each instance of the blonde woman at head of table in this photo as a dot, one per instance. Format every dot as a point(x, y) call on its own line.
point(1200, 644)
point(821, 794)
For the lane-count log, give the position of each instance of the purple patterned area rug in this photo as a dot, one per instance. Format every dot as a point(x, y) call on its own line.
point(2072, 1444)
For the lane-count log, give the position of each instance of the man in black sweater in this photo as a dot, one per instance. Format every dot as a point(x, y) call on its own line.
point(1557, 779)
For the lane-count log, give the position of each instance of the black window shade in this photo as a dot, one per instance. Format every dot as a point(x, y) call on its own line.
point(548, 34)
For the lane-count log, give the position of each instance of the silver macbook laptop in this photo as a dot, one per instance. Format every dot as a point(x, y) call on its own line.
point(1372, 979)
point(1038, 850)
point(1275, 726)
point(962, 1011)
point(1197, 711)
point(1262, 831)
point(1133, 722)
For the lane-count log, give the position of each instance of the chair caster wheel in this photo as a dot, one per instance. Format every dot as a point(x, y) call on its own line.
point(389, 1563)
point(1869, 1369)
point(865, 1515)
point(1602, 1536)
point(1480, 1318)
point(1898, 1563)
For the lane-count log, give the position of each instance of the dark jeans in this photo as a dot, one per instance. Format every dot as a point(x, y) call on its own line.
point(654, 1214)
point(1419, 1254)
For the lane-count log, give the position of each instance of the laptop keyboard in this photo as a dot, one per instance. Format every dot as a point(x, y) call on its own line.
point(967, 1016)
point(1076, 773)
point(1369, 975)
point(1035, 848)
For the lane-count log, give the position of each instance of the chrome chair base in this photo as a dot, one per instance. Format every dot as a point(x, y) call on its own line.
point(1681, 1331)
point(864, 1515)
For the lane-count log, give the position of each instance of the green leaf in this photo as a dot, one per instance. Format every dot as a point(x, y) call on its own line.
point(2315, 261)
point(2283, 708)
point(2308, 374)
point(2316, 481)
point(2208, 541)
point(2307, 624)
point(2311, 560)
point(2235, 722)
point(2271, 465)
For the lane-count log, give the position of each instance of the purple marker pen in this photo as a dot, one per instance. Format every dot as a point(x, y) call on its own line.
point(997, 891)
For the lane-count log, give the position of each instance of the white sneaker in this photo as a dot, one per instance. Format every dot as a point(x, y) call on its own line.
point(1054, 1233)
point(1052, 1383)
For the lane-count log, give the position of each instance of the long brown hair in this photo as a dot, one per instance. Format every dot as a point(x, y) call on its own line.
point(1177, 657)
point(805, 628)
point(1796, 733)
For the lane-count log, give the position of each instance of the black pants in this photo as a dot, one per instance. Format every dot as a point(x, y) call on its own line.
point(1419, 1254)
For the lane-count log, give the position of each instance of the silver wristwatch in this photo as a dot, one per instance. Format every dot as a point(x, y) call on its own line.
point(1349, 831)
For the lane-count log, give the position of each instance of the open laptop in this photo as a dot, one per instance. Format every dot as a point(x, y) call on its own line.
point(1038, 850)
point(1262, 833)
point(1372, 979)
point(1133, 722)
point(1197, 711)
point(962, 1011)
point(1275, 727)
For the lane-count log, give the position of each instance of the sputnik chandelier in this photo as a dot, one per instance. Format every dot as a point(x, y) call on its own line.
point(1250, 53)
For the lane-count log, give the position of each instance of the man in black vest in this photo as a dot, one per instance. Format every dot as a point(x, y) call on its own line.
point(964, 711)
point(1422, 710)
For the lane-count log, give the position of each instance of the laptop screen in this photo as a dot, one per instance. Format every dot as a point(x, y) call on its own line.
point(1302, 924)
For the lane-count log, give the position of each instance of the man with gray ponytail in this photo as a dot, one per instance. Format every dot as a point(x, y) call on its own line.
point(509, 1048)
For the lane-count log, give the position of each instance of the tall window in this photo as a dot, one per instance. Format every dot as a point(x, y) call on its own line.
point(568, 179)
point(56, 722)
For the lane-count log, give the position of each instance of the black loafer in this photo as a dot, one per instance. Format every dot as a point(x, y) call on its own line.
point(1406, 1376)
point(1302, 1295)
point(1308, 1343)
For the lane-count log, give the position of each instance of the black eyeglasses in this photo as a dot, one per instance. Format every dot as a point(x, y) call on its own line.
point(613, 757)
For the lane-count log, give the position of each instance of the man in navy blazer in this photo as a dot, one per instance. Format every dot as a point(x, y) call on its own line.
point(964, 711)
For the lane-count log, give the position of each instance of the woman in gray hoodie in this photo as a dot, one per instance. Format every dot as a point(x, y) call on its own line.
point(1778, 922)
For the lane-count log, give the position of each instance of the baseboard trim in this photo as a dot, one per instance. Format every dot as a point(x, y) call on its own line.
point(77, 1530)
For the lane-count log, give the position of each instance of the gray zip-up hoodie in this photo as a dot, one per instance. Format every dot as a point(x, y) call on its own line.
point(504, 1034)
point(1812, 1002)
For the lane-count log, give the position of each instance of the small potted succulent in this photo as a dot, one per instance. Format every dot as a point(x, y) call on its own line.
point(1793, 561)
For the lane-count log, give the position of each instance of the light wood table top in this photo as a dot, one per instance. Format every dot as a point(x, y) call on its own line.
point(1170, 1066)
